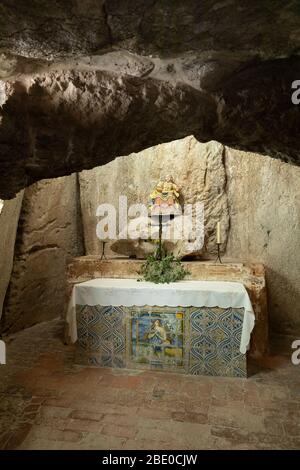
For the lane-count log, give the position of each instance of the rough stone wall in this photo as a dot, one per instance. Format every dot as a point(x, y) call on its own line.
point(9, 216)
point(259, 204)
point(86, 81)
point(57, 122)
point(197, 168)
point(49, 233)
point(262, 195)
point(264, 202)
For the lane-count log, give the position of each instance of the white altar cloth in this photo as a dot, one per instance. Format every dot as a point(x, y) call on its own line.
point(130, 292)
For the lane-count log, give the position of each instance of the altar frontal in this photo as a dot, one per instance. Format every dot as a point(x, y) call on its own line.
point(192, 327)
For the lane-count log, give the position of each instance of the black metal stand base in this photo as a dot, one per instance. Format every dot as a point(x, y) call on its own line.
point(103, 251)
point(219, 256)
point(160, 221)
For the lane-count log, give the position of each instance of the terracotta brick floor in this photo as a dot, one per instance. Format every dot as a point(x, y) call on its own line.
point(48, 402)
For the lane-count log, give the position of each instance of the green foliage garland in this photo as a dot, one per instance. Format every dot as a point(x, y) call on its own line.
point(162, 269)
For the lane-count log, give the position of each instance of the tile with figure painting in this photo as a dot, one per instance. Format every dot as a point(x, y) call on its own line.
point(157, 337)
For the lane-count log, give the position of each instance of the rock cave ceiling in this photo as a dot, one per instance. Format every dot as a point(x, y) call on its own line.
point(85, 81)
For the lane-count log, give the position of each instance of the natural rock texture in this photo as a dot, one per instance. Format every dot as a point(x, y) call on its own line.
point(259, 203)
point(49, 233)
point(89, 81)
point(179, 237)
point(74, 120)
point(39, 28)
point(9, 217)
point(197, 168)
point(264, 202)
point(261, 194)
point(84, 82)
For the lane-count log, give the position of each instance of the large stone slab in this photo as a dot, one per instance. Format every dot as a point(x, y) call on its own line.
point(264, 205)
point(9, 218)
point(263, 200)
point(197, 168)
point(48, 234)
point(218, 70)
point(252, 276)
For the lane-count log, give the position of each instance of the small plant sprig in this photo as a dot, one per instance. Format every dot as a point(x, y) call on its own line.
point(162, 268)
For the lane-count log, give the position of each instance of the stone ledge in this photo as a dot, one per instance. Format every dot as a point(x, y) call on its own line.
point(251, 275)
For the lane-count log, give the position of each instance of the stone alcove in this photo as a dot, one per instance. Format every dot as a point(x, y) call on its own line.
point(79, 88)
point(259, 201)
point(107, 91)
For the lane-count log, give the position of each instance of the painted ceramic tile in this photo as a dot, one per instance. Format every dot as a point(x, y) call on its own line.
point(157, 337)
point(215, 336)
point(101, 333)
point(201, 341)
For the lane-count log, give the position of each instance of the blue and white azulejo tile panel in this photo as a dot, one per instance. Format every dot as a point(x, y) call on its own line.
point(215, 336)
point(101, 335)
point(197, 341)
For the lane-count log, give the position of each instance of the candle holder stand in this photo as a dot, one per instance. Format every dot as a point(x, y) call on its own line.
point(103, 252)
point(219, 256)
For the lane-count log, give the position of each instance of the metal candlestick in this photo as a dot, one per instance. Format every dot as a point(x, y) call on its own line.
point(103, 251)
point(219, 256)
point(159, 237)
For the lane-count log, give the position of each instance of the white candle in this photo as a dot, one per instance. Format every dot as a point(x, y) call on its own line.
point(218, 232)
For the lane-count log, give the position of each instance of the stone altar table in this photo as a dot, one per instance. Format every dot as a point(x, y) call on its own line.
point(193, 327)
point(252, 276)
